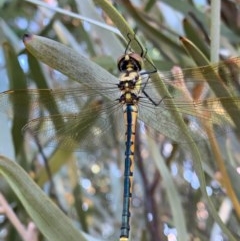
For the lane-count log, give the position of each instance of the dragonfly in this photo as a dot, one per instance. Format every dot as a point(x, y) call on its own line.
point(78, 118)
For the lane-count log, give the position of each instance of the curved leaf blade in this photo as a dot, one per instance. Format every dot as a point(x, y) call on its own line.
point(49, 219)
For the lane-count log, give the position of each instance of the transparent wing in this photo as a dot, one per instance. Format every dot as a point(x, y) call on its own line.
point(181, 85)
point(38, 102)
point(198, 116)
point(226, 72)
point(61, 117)
point(80, 131)
point(64, 118)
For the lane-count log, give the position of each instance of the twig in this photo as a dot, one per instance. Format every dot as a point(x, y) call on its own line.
point(154, 225)
point(27, 234)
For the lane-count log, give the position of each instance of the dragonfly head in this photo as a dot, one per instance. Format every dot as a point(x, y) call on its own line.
point(130, 60)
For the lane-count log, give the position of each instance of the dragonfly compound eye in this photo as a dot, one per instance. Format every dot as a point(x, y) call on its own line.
point(132, 60)
point(136, 60)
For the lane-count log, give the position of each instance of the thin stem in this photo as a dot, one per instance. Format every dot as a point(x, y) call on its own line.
point(154, 226)
point(215, 29)
point(75, 15)
point(27, 234)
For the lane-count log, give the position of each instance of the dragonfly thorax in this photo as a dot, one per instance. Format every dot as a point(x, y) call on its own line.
point(129, 98)
point(130, 89)
point(130, 81)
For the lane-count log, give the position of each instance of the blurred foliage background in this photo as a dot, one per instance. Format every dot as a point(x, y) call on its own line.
point(87, 186)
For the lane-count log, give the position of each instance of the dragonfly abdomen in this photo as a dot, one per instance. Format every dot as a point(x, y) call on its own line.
point(130, 117)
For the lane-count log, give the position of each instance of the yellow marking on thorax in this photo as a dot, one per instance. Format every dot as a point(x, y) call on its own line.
point(132, 76)
point(128, 97)
point(123, 239)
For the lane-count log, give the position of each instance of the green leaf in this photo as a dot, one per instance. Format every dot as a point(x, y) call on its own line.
point(17, 81)
point(68, 62)
point(194, 35)
point(173, 196)
point(53, 224)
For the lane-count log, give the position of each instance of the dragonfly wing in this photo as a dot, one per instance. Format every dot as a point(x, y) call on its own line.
point(154, 114)
point(212, 113)
point(183, 86)
point(225, 73)
point(159, 120)
point(71, 132)
point(38, 102)
point(198, 115)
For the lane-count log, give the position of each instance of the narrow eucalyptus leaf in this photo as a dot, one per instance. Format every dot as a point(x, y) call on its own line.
point(67, 61)
point(48, 218)
point(17, 80)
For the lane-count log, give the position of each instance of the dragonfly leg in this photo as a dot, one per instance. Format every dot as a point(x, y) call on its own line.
point(154, 70)
point(151, 100)
point(143, 53)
